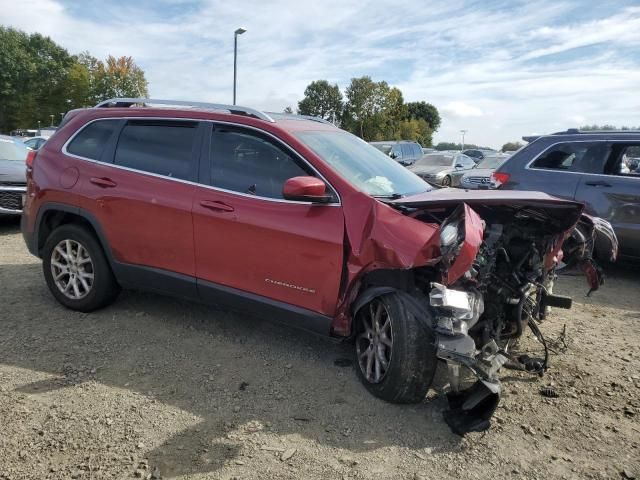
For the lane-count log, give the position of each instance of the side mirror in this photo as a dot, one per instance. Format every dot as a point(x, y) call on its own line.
point(459, 165)
point(393, 155)
point(306, 189)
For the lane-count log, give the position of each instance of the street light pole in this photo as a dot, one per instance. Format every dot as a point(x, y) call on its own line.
point(238, 31)
point(463, 132)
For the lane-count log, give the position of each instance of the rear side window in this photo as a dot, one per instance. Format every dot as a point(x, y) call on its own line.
point(585, 157)
point(161, 147)
point(417, 150)
point(92, 139)
point(244, 162)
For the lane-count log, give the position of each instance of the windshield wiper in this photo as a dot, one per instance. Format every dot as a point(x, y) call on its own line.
point(391, 196)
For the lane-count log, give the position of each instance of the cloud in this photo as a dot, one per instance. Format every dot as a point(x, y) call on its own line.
point(498, 69)
point(461, 110)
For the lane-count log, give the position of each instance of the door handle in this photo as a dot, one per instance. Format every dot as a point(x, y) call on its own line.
point(103, 182)
point(598, 183)
point(220, 206)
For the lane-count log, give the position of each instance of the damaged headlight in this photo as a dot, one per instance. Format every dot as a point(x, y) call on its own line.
point(449, 234)
point(458, 310)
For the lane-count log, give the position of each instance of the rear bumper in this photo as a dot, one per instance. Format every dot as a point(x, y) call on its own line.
point(27, 229)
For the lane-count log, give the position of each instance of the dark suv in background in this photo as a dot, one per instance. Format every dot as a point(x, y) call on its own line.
point(402, 151)
point(598, 168)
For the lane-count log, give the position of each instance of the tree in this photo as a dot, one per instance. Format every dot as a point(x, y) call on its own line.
point(425, 111)
point(511, 146)
point(606, 127)
point(33, 71)
point(323, 100)
point(372, 109)
point(39, 80)
point(288, 110)
point(119, 77)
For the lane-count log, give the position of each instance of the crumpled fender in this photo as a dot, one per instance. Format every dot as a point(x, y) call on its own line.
point(473, 234)
point(379, 236)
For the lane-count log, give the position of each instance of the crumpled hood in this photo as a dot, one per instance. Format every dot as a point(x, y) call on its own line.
point(13, 171)
point(563, 214)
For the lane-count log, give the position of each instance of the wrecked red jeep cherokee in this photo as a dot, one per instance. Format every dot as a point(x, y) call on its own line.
point(301, 222)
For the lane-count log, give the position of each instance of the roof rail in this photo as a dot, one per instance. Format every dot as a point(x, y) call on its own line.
point(234, 109)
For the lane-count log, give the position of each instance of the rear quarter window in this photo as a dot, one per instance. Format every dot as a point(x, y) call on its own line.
point(91, 141)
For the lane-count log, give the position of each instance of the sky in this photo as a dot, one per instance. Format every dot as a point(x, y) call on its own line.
point(498, 69)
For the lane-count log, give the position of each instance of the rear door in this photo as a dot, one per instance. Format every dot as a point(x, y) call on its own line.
point(613, 193)
point(559, 169)
point(141, 195)
point(249, 238)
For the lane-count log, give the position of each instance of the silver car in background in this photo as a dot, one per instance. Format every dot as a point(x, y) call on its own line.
point(442, 168)
point(13, 180)
point(479, 177)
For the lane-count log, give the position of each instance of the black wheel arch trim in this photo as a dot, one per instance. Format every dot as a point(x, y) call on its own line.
point(34, 243)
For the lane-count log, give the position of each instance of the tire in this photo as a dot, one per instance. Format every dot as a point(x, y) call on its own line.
point(410, 354)
point(95, 285)
point(446, 181)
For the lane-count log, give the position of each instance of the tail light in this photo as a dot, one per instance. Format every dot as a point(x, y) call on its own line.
point(31, 156)
point(499, 178)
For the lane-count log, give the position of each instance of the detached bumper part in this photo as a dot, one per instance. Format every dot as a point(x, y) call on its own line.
point(471, 409)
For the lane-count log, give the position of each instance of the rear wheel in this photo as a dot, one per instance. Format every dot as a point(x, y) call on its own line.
point(446, 181)
point(395, 353)
point(76, 269)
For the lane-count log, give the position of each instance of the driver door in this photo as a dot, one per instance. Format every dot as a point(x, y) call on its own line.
point(248, 238)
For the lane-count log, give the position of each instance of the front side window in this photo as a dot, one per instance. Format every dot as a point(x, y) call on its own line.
point(366, 168)
point(244, 162)
point(161, 147)
point(92, 139)
point(585, 157)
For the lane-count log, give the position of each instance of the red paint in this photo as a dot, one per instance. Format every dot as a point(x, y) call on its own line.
point(300, 188)
point(473, 230)
point(311, 256)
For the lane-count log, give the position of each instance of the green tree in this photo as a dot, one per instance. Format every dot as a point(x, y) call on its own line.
point(425, 111)
point(39, 80)
point(511, 146)
point(118, 77)
point(372, 109)
point(288, 110)
point(321, 99)
point(33, 71)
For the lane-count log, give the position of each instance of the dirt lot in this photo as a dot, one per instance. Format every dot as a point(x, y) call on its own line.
point(152, 387)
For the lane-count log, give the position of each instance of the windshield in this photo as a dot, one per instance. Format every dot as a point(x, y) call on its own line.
point(11, 150)
point(490, 162)
point(435, 160)
point(365, 167)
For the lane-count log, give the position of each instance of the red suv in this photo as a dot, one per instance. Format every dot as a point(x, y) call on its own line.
point(303, 223)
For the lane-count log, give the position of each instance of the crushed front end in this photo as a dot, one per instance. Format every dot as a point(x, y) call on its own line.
point(493, 281)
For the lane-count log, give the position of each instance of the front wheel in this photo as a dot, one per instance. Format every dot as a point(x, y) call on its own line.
point(446, 181)
point(395, 352)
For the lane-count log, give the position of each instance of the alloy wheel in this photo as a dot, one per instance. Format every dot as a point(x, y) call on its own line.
point(374, 342)
point(72, 269)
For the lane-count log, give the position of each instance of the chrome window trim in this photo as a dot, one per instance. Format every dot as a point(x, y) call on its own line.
point(65, 151)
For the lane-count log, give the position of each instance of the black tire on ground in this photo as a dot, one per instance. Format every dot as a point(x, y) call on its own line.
point(413, 360)
point(446, 181)
point(104, 288)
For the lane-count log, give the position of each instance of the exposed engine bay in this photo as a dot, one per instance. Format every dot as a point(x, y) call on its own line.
point(494, 281)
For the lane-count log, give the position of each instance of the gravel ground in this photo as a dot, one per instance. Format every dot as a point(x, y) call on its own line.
point(152, 387)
